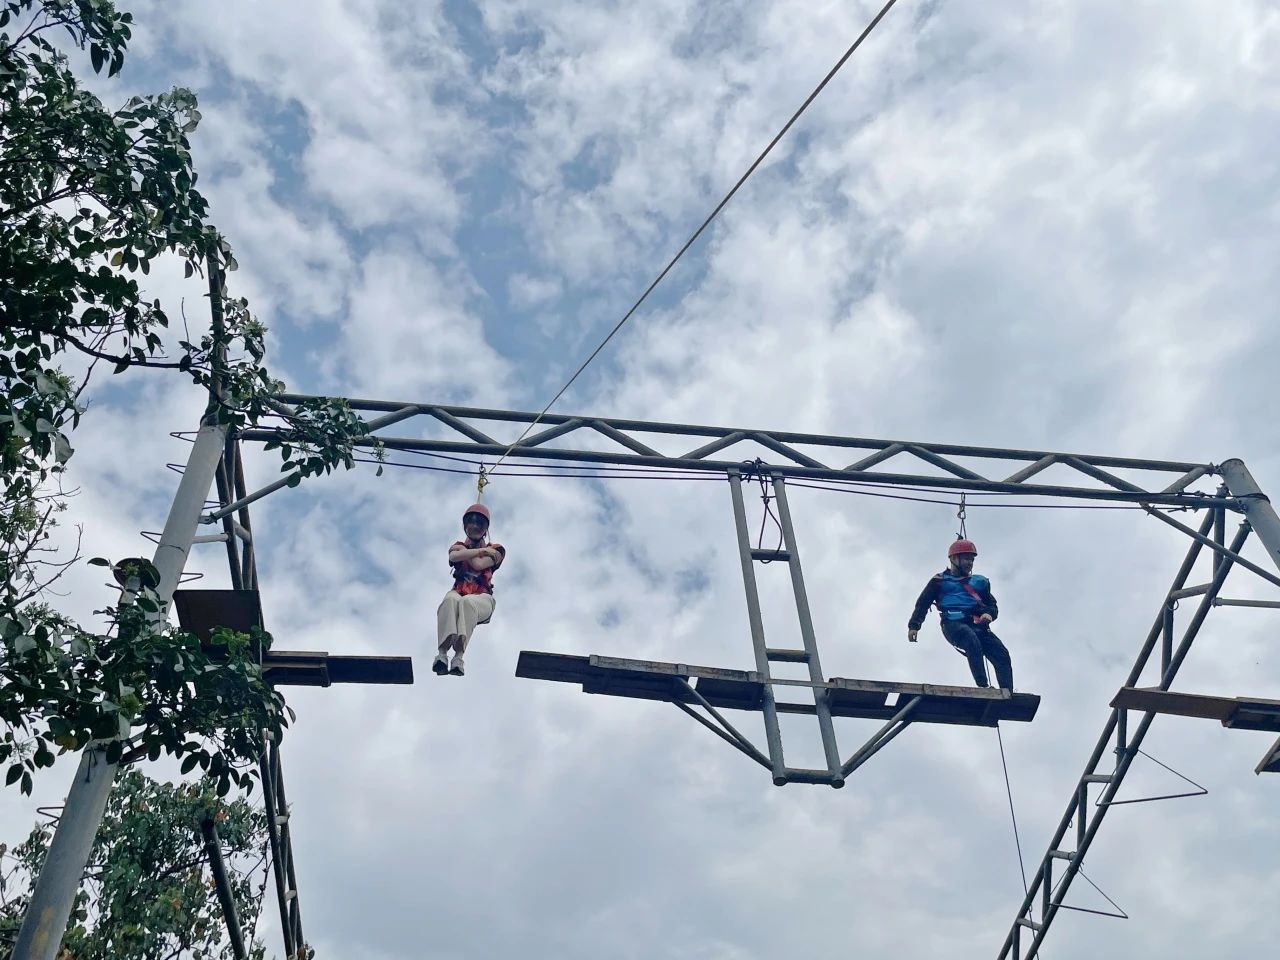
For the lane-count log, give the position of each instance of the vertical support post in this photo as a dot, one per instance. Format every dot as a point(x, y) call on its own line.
point(225, 496)
point(769, 707)
point(1219, 534)
point(821, 701)
point(1122, 734)
point(1166, 641)
point(55, 890)
point(221, 882)
point(1257, 508)
point(269, 768)
point(248, 560)
point(1082, 810)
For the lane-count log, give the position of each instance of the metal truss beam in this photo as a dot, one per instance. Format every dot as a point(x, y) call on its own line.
point(800, 455)
point(1087, 817)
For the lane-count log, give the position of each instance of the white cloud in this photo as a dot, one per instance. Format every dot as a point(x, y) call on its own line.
point(1046, 228)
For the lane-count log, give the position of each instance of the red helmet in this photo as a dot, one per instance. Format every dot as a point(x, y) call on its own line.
point(479, 508)
point(961, 546)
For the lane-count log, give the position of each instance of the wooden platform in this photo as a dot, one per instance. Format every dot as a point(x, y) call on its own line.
point(1238, 713)
point(743, 690)
point(202, 611)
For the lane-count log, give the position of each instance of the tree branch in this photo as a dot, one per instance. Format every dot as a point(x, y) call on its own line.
point(131, 361)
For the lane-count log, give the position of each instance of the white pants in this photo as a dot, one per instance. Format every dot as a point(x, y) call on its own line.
point(458, 615)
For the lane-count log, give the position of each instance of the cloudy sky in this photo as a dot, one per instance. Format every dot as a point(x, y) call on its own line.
point(1047, 225)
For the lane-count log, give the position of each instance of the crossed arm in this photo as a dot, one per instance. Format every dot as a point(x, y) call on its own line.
point(478, 558)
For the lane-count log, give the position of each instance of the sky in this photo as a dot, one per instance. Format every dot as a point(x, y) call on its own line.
point(1044, 225)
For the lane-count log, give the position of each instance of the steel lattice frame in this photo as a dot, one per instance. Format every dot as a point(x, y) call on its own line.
point(1165, 484)
point(237, 533)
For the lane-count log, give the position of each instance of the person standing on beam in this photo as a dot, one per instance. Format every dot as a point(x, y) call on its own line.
point(470, 601)
point(967, 609)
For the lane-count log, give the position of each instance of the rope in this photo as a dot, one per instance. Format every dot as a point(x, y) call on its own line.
point(962, 535)
point(705, 223)
point(757, 468)
point(1012, 815)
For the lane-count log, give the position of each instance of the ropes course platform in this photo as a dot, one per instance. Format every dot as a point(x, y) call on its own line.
point(745, 690)
point(1238, 713)
point(1235, 713)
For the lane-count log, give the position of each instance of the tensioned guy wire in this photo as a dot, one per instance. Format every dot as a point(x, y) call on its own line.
point(705, 223)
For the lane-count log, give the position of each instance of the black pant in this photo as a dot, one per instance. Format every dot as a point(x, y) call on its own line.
point(975, 642)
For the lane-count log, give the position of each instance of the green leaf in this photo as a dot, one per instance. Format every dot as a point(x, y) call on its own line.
point(189, 763)
point(98, 56)
point(99, 562)
point(14, 775)
point(24, 644)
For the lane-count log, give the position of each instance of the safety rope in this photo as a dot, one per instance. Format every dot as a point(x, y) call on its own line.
point(1012, 815)
point(963, 534)
point(756, 468)
point(705, 223)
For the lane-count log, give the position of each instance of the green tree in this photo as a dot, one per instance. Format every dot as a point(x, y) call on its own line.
point(148, 892)
point(90, 199)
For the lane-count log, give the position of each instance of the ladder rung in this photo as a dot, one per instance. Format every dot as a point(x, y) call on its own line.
point(802, 775)
point(771, 555)
point(1062, 854)
point(786, 656)
point(290, 895)
point(1023, 921)
point(1097, 778)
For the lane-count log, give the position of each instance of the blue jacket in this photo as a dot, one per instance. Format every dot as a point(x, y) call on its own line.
point(954, 602)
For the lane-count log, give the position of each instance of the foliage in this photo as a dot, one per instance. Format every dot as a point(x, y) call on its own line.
point(90, 199)
point(63, 687)
point(148, 891)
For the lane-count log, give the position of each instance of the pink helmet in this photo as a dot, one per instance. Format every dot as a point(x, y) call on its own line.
point(479, 508)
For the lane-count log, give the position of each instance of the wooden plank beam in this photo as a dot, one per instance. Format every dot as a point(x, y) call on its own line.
point(1238, 713)
point(743, 689)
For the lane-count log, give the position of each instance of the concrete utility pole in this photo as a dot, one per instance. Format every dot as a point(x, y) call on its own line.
point(1256, 506)
point(55, 892)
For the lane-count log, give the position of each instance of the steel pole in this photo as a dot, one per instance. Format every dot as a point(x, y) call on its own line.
point(222, 883)
point(768, 707)
point(1256, 506)
point(46, 918)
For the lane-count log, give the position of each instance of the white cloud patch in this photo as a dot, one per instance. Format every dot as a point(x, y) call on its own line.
point(1051, 228)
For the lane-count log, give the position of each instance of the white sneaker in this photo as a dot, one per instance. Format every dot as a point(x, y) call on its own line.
point(457, 668)
point(440, 665)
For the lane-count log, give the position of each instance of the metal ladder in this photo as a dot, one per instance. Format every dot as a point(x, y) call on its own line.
point(807, 653)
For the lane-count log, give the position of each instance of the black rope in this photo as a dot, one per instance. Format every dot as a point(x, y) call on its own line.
point(757, 469)
point(705, 223)
point(1013, 816)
